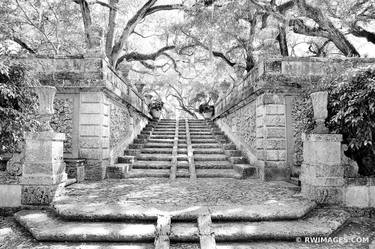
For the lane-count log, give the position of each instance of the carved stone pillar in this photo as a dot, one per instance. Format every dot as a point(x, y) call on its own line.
point(43, 170)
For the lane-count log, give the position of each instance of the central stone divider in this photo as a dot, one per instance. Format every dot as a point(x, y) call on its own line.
point(206, 236)
point(174, 154)
point(190, 152)
point(163, 230)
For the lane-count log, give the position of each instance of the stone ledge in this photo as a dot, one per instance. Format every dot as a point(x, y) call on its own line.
point(360, 181)
point(322, 137)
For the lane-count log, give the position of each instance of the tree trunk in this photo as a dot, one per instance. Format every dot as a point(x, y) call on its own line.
point(111, 27)
point(283, 44)
point(87, 22)
point(325, 24)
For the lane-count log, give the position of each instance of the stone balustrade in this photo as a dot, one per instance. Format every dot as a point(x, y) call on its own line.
point(258, 113)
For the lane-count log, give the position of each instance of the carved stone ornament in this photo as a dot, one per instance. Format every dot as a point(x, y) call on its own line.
point(46, 95)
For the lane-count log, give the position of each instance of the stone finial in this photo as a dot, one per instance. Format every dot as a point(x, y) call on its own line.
point(320, 103)
point(46, 96)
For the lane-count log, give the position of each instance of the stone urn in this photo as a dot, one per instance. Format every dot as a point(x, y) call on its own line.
point(320, 103)
point(208, 115)
point(155, 113)
point(46, 95)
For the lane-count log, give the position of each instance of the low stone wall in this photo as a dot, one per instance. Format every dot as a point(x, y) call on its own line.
point(259, 114)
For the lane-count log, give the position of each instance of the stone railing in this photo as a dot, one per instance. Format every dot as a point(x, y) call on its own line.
point(258, 114)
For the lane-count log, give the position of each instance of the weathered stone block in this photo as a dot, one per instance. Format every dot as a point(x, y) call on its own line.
point(357, 196)
point(273, 144)
point(10, 195)
point(75, 168)
point(38, 194)
point(269, 98)
point(95, 108)
point(91, 130)
point(275, 155)
point(91, 118)
point(92, 97)
point(275, 174)
point(96, 169)
point(274, 120)
point(274, 109)
point(117, 171)
point(275, 132)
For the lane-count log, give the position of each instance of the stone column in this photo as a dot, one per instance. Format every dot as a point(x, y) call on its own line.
point(271, 137)
point(94, 133)
point(322, 173)
point(43, 171)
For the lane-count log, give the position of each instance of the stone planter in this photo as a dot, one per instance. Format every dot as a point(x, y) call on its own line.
point(208, 115)
point(46, 95)
point(320, 103)
point(155, 113)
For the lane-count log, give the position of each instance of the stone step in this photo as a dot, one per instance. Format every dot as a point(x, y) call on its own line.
point(158, 133)
point(203, 141)
point(208, 151)
point(141, 173)
point(238, 160)
point(213, 165)
point(246, 170)
point(152, 165)
point(158, 145)
point(265, 211)
point(182, 173)
point(97, 245)
point(320, 223)
point(45, 226)
point(217, 173)
point(161, 137)
point(234, 153)
point(210, 157)
point(206, 145)
point(153, 157)
point(162, 141)
point(157, 150)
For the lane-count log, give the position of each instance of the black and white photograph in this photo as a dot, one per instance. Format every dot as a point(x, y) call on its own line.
point(187, 124)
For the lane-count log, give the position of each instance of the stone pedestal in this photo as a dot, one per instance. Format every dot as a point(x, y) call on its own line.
point(271, 137)
point(322, 173)
point(75, 168)
point(43, 171)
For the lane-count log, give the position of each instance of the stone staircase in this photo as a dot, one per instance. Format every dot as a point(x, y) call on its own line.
point(174, 149)
point(182, 149)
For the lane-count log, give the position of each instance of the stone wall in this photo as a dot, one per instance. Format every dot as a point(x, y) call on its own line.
point(243, 124)
point(62, 120)
point(100, 112)
point(125, 125)
point(276, 86)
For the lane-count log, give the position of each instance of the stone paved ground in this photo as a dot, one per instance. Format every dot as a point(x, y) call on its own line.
point(164, 194)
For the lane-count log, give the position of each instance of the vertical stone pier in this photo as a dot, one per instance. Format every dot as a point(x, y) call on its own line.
point(271, 149)
point(43, 172)
point(322, 173)
point(94, 133)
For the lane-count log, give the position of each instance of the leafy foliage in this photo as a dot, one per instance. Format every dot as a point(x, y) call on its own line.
point(17, 106)
point(205, 108)
point(351, 112)
point(156, 105)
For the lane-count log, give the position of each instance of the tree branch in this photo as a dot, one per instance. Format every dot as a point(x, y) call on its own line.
point(163, 7)
point(135, 56)
point(23, 45)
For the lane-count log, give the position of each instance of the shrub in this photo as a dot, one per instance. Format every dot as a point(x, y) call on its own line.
point(351, 112)
point(17, 106)
point(205, 108)
point(156, 105)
